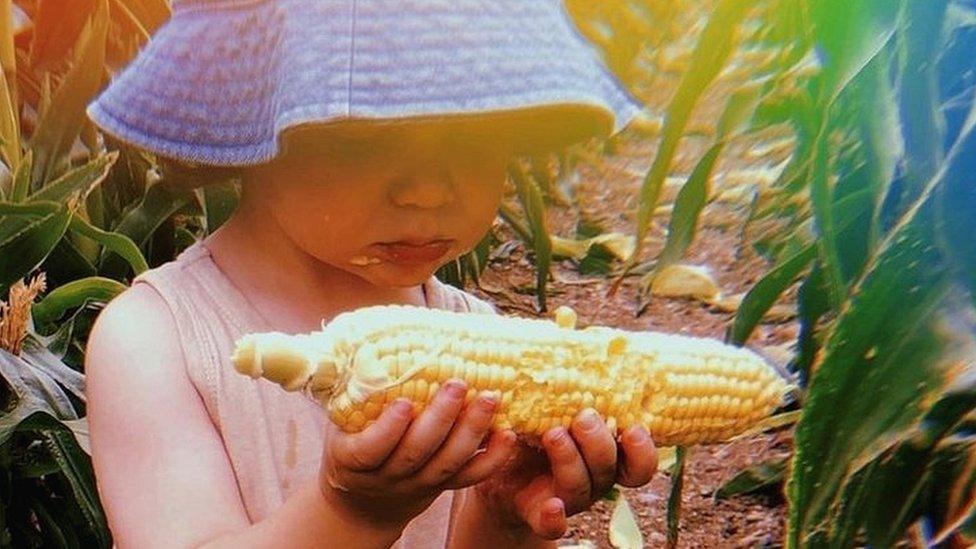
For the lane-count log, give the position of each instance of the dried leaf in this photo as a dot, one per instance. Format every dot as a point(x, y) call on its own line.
point(624, 532)
point(685, 281)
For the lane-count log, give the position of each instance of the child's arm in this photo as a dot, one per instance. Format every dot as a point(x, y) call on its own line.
point(163, 475)
point(165, 479)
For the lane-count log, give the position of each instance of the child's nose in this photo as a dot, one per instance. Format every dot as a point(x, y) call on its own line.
point(423, 191)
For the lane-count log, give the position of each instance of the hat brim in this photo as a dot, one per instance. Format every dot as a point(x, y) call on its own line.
point(528, 131)
point(220, 86)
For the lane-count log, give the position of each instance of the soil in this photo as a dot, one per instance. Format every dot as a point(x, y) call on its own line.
point(606, 190)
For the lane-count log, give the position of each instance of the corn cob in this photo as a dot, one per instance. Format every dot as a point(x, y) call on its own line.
point(683, 390)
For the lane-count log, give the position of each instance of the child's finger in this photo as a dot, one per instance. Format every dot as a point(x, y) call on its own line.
point(368, 449)
point(547, 518)
point(481, 466)
point(463, 441)
point(598, 447)
point(428, 431)
point(570, 475)
point(640, 458)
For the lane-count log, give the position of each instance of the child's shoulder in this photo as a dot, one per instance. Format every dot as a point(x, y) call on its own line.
point(133, 344)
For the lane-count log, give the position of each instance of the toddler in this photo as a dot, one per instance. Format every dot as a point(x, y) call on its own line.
point(371, 139)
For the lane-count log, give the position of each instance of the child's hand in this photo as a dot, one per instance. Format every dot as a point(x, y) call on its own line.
point(536, 493)
point(394, 469)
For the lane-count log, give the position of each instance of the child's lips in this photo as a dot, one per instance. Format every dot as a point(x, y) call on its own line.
point(412, 251)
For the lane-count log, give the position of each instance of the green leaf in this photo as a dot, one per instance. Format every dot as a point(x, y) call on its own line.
point(673, 518)
point(758, 478)
point(218, 202)
point(65, 263)
point(535, 211)
point(688, 206)
point(956, 206)
point(921, 40)
point(58, 127)
point(77, 181)
point(25, 251)
point(709, 57)
point(739, 110)
point(34, 391)
point(811, 304)
point(10, 141)
point(139, 223)
point(76, 466)
point(21, 186)
point(55, 528)
point(822, 198)
point(851, 34)
point(26, 210)
point(75, 294)
point(884, 339)
point(43, 361)
point(895, 484)
point(764, 294)
point(116, 242)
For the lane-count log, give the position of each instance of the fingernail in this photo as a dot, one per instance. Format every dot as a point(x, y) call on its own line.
point(589, 420)
point(557, 435)
point(637, 435)
point(488, 401)
point(554, 512)
point(403, 407)
point(455, 388)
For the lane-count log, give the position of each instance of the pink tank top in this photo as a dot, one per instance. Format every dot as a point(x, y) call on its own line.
point(273, 439)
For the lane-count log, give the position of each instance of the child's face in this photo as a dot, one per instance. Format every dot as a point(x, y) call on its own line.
point(389, 204)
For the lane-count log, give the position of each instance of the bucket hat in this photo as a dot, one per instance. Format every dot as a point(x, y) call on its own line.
point(221, 80)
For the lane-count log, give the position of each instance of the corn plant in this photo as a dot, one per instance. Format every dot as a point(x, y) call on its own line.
point(874, 212)
point(88, 214)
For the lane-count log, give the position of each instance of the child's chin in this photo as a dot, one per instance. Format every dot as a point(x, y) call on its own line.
point(391, 275)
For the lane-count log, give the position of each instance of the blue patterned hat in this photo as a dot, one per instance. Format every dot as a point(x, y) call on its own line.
point(222, 79)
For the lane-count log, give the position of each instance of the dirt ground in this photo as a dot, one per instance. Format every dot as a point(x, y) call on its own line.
point(608, 192)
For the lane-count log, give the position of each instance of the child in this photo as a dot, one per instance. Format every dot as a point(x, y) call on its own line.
point(371, 139)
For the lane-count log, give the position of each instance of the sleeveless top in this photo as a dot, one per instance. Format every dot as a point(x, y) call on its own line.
point(273, 439)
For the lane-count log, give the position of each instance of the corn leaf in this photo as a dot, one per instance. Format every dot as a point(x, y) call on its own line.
point(10, 145)
point(34, 390)
point(764, 293)
point(218, 202)
point(957, 207)
point(76, 466)
point(885, 340)
point(535, 212)
point(673, 518)
point(74, 294)
point(77, 181)
point(81, 179)
point(149, 14)
point(21, 186)
point(58, 127)
point(27, 249)
point(766, 476)
point(920, 42)
point(28, 210)
point(116, 242)
point(57, 26)
point(56, 528)
point(901, 475)
point(710, 56)
point(850, 35)
point(688, 206)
